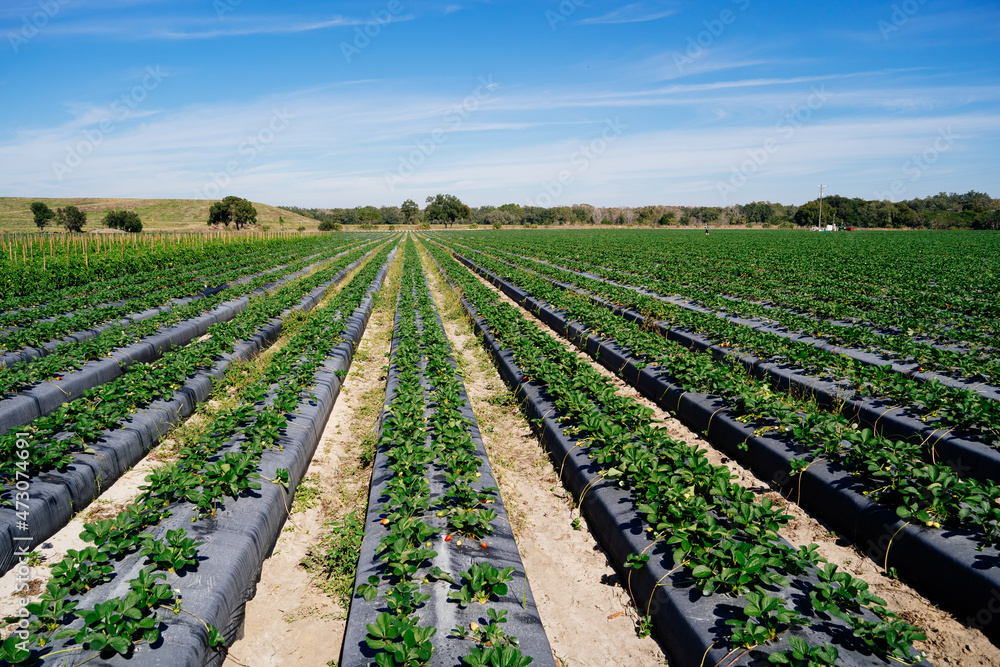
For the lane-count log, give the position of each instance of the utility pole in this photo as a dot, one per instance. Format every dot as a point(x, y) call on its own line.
point(821, 207)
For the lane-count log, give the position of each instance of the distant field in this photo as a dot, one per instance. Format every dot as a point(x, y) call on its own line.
point(158, 215)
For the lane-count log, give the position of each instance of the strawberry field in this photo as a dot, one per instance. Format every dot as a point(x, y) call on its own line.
point(854, 377)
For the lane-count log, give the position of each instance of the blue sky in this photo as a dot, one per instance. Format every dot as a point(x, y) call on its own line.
point(537, 102)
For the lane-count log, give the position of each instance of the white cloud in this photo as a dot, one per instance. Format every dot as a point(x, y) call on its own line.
point(633, 13)
point(191, 28)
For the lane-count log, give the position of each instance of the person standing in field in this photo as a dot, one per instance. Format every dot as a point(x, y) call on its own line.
point(706, 229)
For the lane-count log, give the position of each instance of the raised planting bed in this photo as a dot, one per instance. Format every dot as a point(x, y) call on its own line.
point(699, 555)
point(166, 581)
point(52, 495)
point(440, 580)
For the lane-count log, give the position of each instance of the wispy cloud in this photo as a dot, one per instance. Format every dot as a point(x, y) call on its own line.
point(926, 28)
point(633, 13)
point(191, 28)
point(276, 27)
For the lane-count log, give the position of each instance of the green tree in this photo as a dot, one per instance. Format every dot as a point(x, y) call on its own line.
point(368, 215)
point(498, 218)
point(410, 211)
point(757, 212)
point(43, 214)
point(710, 214)
point(977, 202)
point(446, 208)
point(808, 214)
point(390, 215)
point(582, 213)
point(989, 221)
point(127, 221)
point(232, 209)
point(72, 218)
point(219, 213)
point(513, 209)
point(668, 219)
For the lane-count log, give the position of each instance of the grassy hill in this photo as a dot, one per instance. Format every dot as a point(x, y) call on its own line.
point(158, 215)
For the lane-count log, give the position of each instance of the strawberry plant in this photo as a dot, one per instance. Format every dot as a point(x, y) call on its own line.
point(49, 613)
point(481, 582)
point(473, 523)
point(802, 655)
point(13, 653)
point(81, 570)
point(115, 625)
point(494, 647)
point(177, 553)
point(400, 642)
point(766, 618)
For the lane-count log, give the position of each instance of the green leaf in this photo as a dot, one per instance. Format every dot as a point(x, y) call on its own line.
point(701, 571)
point(120, 644)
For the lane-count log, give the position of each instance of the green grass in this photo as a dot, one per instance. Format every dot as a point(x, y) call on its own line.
point(334, 561)
point(158, 215)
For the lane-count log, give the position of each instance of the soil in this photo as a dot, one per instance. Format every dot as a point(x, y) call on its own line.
point(948, 640)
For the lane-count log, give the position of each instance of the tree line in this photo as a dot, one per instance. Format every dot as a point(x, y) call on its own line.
point(971, 210)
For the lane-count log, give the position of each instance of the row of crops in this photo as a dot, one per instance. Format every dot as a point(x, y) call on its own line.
point(856, 374)
point(174, 568)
